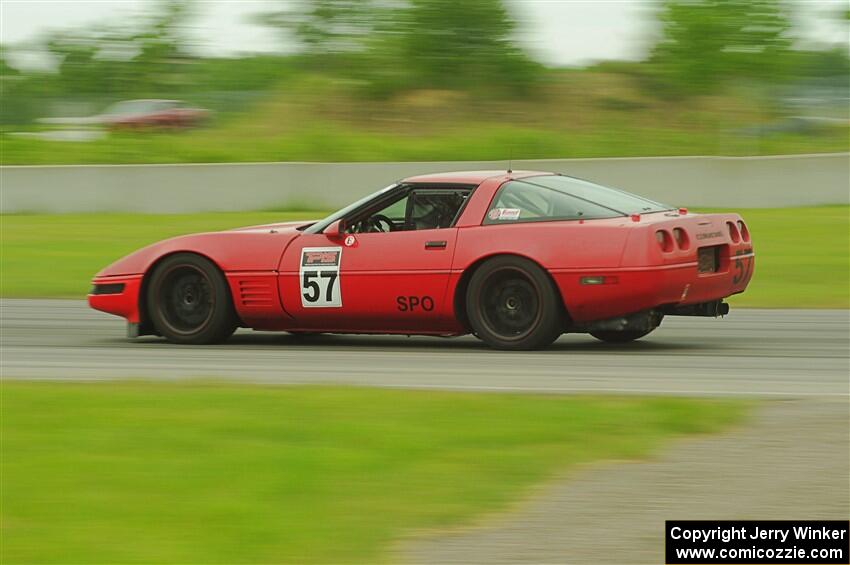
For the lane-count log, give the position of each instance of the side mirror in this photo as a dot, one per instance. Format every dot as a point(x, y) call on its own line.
point(336, 230)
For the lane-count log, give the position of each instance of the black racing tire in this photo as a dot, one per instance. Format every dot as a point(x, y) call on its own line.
point(189, 302)
point(621, 336)
point(512, 304)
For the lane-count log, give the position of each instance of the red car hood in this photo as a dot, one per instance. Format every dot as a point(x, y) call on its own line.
point(282, 226)
point(253, 248)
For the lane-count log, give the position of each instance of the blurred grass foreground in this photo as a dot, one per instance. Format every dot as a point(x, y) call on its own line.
point(210, 473)
point(789, 272)
point(424, 80)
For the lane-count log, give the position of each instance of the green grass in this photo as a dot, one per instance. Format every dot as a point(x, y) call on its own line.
point(467, 142)
point(572, 114)
point(802, 258)
point(803, 255)
point(213, 473)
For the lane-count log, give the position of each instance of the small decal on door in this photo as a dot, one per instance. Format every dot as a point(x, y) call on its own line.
point(319, 277)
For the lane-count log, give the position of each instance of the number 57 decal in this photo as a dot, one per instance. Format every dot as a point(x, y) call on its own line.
point(319, 277)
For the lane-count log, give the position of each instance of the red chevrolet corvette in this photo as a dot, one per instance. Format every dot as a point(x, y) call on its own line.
point(517, 258)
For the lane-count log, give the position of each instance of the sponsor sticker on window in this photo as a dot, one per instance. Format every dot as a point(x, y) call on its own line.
point(504, 214)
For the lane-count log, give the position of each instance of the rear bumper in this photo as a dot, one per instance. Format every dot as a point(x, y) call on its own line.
point(629, 290)
point(117, 295)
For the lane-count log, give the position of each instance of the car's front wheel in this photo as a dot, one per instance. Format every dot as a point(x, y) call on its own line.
point(189, 302)
point(512, 304)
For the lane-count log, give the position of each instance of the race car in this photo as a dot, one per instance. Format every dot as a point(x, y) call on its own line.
point(147, 114)
point(516, 258)
point(138, 115)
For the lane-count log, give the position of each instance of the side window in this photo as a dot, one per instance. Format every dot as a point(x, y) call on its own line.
point(418, 209)
point(517, 201)
point(430, 209)
point(390, 217)
point(397, 210)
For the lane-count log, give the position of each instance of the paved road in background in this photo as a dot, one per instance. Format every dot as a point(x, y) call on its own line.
point(770, 353)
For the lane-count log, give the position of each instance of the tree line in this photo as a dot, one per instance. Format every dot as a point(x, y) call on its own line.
point(384, 47)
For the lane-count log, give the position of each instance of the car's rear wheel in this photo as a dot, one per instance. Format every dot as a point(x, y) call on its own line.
point(512, 304)
point(622, 336)
point(189, 302)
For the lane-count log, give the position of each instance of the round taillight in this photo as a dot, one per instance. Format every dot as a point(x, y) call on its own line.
point(681, 237)
point(745, 233)
point(665, 240)
point(733, 232)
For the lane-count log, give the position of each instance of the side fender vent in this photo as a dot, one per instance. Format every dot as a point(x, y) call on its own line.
point(255, 293)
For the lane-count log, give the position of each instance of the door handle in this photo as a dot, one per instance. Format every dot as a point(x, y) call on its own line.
point(435, 245)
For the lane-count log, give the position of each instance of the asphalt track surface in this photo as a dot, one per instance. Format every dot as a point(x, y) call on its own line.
point(765, 353)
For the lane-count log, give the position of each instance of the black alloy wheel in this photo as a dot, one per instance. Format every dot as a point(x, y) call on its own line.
point(512, 304)
point(189, 302)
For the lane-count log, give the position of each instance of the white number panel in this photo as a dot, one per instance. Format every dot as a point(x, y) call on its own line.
point(319, 275)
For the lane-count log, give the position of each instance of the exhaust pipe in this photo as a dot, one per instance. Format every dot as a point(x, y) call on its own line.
point(713, 309)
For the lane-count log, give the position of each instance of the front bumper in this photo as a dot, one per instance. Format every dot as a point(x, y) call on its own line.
point(118, 295)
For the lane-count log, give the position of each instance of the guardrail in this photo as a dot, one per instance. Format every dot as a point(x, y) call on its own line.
point(737, 182)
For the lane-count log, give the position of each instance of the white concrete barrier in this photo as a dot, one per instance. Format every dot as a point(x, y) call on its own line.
point(737, 182)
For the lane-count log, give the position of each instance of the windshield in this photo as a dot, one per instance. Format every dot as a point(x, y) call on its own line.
point(319, 226)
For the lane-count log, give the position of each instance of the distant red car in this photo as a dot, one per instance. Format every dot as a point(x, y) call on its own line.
point(139, 114)
point(133, 114)
point(517, 258)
